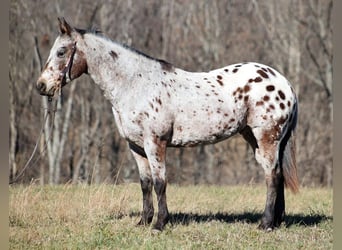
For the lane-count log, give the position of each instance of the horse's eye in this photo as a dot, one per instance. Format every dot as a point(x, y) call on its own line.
point(61, 52)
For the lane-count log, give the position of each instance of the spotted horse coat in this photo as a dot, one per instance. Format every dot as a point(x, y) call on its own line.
point(157, 105)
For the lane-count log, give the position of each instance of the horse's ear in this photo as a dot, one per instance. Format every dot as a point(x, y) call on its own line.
point(64, 27)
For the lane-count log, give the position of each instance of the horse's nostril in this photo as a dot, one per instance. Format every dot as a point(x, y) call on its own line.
point(41, 86)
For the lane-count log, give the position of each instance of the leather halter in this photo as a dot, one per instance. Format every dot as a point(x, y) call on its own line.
point(67, 69)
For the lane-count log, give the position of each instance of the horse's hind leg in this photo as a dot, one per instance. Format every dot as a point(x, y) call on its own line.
point(265, 145)
point(275, 202)
point(146, 185)
point(268, 156)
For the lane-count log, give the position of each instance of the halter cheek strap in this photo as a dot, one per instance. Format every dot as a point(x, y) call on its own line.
point(67, 69)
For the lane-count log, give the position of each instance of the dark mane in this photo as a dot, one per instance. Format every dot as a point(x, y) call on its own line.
point(91, 31)
point(164, 64)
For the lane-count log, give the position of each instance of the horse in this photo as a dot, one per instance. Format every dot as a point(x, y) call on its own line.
point(157, 105)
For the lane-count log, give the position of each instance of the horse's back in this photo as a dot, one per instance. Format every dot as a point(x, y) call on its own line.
point(221, 102)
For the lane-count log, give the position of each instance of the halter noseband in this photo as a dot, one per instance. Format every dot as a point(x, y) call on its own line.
point(67, 68)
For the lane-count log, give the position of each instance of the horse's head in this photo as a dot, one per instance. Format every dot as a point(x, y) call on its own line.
point(65, 63)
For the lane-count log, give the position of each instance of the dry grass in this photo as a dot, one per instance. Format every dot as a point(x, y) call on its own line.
point(206, 217)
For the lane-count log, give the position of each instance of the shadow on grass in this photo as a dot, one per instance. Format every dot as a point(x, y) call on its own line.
point(247, 217)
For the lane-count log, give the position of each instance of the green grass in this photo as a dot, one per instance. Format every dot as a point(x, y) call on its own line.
point(202, 217)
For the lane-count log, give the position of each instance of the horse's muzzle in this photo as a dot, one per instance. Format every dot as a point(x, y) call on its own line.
point(42, 89)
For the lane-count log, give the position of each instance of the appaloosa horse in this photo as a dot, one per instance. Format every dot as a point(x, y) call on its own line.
point(157, 105)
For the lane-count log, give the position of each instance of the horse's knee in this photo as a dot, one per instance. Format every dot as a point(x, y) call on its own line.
point(159, 186)
point(146, 184)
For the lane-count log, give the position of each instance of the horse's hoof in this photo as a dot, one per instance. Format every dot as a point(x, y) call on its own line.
point(268, 227)
point(144, 222)
point(156, 231)
point(157, 228)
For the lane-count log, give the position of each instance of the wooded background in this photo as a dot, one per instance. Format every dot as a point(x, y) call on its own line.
point(295, 37)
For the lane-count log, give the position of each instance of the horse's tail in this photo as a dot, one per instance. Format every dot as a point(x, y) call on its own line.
point(288, 155)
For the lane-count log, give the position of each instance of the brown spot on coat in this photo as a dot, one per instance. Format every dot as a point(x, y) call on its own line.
point(159, 101)
point(270, 88)
point(266, 98)
point(79, 65)
point(281, 94)
point(282, 105)
point(246, 88)
point(235, 70)
point(258, 79)
point(259, 103)
point(262, 73)
point(271, 71)
point(113, 55)
point(161, 149)
point(238, 90)
point(220, 82)
point(60, 67)
point(282, 120)
point(219, 77)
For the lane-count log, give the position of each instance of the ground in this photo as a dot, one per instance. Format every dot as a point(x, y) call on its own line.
point(202, 217)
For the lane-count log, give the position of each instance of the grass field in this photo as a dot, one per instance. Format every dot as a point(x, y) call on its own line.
point(202, 217)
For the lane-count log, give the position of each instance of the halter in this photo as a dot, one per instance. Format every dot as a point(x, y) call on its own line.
point(67, 68)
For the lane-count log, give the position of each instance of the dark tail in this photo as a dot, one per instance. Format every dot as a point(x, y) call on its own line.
point(288, 155)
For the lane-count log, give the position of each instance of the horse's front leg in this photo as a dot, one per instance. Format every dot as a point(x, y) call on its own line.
point(146, 185)
point(156, 151)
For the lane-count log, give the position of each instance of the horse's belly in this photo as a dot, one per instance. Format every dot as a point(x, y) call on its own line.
point(203, 132)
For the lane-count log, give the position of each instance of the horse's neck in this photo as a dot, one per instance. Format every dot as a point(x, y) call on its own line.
point(115, 68)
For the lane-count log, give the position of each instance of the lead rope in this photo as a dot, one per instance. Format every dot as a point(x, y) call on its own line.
point(50, 112)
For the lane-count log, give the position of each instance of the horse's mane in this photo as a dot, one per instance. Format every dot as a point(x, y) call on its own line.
point(89, 31)
point(161, 61)
point(166, 65)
